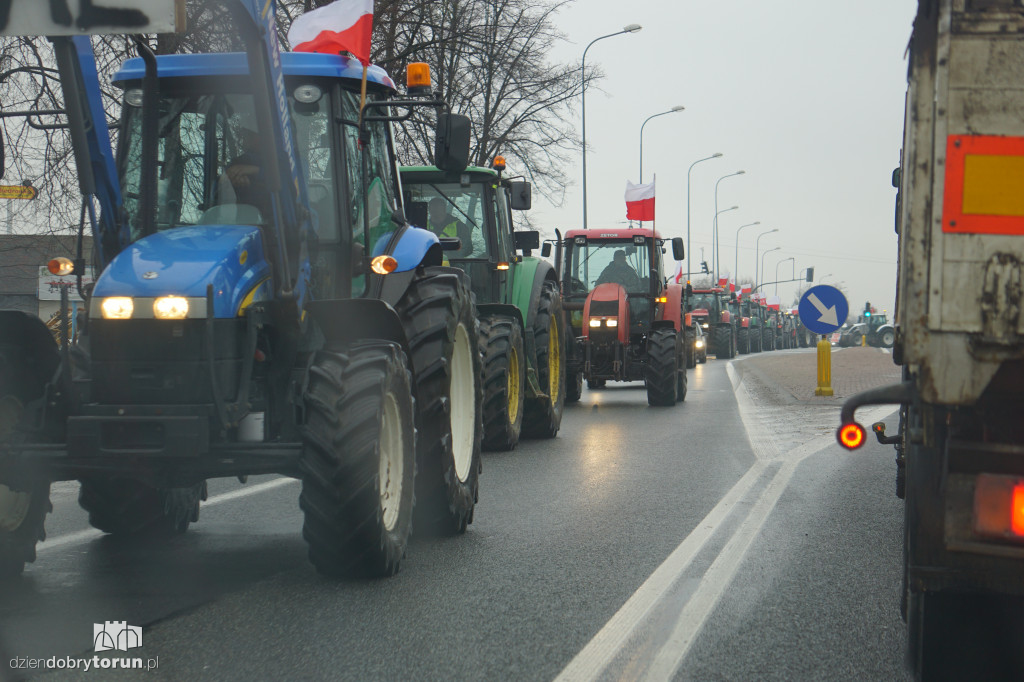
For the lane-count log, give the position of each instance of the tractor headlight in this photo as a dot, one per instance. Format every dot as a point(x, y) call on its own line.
point(611, 322)
point(117, 308)
point(170, 308)
point(699, 343)
point(594, 322)
point(705, 325)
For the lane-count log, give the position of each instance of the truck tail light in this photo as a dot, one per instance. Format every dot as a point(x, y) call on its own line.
point(851, 436)
point(999, 507)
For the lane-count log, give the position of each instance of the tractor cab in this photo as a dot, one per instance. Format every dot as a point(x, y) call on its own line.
point(474, 206)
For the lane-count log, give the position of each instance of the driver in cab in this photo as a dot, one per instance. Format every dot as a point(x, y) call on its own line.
point(445, 225)
point(620, 272)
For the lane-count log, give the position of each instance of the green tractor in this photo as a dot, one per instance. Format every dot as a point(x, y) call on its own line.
point(517, 296)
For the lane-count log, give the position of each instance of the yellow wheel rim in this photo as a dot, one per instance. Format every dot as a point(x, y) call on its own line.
point(554, 362)
point(513, 385)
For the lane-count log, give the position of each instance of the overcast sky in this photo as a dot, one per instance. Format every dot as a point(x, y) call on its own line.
point(806, 96)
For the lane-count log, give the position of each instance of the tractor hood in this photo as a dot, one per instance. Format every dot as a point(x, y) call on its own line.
point(184, 261)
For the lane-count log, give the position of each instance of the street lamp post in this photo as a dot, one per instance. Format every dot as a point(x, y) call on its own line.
point(777, 272)
point(765, 254)
point(821, 280)
point(757, 252)
point(670, 111)
point(739, 172)
point(736, 264)
point(630, 28)
point(718, 213)
point(688, 245)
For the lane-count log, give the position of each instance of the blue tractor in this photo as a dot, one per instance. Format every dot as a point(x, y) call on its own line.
point(263, 307)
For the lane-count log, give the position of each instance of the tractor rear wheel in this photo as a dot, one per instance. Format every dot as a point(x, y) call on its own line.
point(544, 414)
point(504, 363)
point(24, 504)
point(887, 338)
point(743, 345)
point(130, 508)
point(662, 368)
point(723, 343)
point(680, 367)
point(359, 460)
point(755, 340)
point(439, 317)
point(767, 339)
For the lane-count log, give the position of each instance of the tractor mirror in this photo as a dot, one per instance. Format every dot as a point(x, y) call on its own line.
point(678, 252)
point(451, 142)
point(545, 250)
point(896, 178)
point(526, 240)
point(522, 196)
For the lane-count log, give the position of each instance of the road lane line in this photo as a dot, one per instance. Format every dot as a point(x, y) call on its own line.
point(609, 641)
point(92, 533)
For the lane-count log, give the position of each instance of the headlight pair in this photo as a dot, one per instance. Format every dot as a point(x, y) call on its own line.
point(608, 322)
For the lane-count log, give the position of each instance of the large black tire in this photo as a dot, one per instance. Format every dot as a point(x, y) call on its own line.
point(768, 339)
point(662, 368)
point(886, 338)
point(504, 379)
point(132, 508)
point(24, 504)
point(755, 339)
point(691, 350)
point(723, 343)
point(358, 460)
point(439, 317)
point(681, 367)
point(543, 415)
point(573, 386)
point(743, 344)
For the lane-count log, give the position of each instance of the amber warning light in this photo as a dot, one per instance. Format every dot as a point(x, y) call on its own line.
point(417, 78)
point(60, 266)
point(999, 507)
point(851, 436)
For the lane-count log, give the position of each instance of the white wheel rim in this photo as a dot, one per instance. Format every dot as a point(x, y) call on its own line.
point(392, 462)
point(463, 407)
point(13, 508)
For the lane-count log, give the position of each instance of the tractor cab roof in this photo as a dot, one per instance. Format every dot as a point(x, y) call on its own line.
point(293, 64)
point(624, 233)
point(432, 173)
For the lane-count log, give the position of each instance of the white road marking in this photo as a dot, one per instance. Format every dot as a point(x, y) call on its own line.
point(591, 662)
point(91, 533)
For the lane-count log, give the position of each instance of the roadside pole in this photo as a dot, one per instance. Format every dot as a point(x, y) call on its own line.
point(824, 367)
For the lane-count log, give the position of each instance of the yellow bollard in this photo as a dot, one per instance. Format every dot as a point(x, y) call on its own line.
point(824, 368)
point(863, 340)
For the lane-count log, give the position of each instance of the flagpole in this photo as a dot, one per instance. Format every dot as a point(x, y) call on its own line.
point(362, 95)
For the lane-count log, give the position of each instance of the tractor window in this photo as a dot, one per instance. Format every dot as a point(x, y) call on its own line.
point(455, 211)
point(618, 261)
point(504, 226)
point(703, 302)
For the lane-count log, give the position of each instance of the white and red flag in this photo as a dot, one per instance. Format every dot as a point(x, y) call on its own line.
point(678, 276)
point(639, 201)
point(342, 26)
point(723, 280)
point(745, 291)
point(774, 302)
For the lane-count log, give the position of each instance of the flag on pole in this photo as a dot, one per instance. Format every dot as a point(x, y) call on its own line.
point(745, 291)
point(774, 302)
point(342, 26)
point(639, 201)
point(723, 280)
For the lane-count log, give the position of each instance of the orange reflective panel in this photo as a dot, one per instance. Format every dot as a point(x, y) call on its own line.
point(984, 176)
point(1017, 510)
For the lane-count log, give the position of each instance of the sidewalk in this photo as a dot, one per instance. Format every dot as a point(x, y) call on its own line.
point(853, 370)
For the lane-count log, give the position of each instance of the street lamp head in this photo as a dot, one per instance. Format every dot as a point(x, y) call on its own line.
point(731, 208)
point(678, 107)
point(741, 172)
point(631, 28)
point(773, 230)
point(716, 155)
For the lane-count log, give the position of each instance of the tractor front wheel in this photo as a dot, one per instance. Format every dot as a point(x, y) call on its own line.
point(573, 386)
point(359, 460)
point(744, 341)
point(504, 363)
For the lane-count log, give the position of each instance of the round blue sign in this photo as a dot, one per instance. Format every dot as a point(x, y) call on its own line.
point(823, 309)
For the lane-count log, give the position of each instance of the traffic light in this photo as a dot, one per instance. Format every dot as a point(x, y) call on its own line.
point(867, 310)
point(704, 266)
point(810, 275)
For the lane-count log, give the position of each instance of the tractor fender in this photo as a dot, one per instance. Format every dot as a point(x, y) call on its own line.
point(530, 276)
point(726, 317)
point(29, 333)
point(673, 306)
point(413, 247)
point(664, 324)
point(376, 320)
point(503, 309)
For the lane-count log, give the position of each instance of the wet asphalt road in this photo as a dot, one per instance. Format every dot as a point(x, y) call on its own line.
point(796, 575)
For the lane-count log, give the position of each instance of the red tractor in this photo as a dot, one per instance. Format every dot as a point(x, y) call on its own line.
point(711, 310)
point(627, 320)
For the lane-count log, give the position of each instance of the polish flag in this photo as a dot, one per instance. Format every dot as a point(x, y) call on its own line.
point(639, 201)
point(774, 302)
point(678, 276)
point(342, 26)
point(745, 291)
point(723, 280)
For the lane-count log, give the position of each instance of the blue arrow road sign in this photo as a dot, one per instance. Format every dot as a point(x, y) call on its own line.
point(823, 309)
